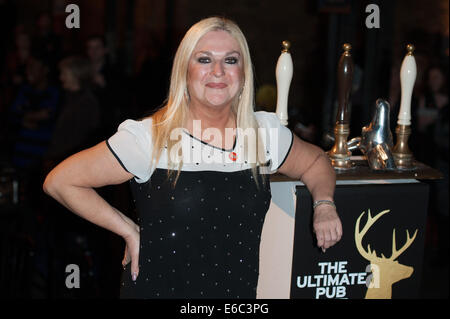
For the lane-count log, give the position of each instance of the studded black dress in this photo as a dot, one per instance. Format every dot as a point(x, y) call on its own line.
point(199, 239)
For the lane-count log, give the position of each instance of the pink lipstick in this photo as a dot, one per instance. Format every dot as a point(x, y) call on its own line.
point(216, 85)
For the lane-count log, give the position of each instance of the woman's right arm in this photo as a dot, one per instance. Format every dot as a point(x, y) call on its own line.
point(72, 184)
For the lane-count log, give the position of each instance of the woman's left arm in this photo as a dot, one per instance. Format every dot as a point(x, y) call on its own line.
point(312, 166)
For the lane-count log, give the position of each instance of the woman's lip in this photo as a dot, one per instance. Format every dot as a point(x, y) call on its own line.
point(216, 85)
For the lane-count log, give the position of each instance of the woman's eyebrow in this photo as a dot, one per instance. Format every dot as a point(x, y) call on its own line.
point(203, 52)
point(233, 52)
point(210, 54)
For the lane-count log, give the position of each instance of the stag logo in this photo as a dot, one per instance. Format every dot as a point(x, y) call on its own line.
point(385, 271)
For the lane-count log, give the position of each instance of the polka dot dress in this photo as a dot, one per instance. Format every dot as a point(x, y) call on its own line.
point(199, 239)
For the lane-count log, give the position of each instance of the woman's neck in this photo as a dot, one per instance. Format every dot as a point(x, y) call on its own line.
point(210, 117)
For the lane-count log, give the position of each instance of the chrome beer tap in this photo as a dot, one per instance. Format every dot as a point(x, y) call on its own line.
point(376, 139)
point(376, 142)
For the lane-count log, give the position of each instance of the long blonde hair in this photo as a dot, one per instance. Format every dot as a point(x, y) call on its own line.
point(173, 114)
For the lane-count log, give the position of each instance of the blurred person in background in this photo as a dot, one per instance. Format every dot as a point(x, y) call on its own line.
point(432, 102)
point(76, 127)
point(32, 115)
point(433, 149)
point(79, 119)
point(106, 86)
point(14, 69)
point(16, 60)
point(152, 73)
point(47, 43)
point(28, 132)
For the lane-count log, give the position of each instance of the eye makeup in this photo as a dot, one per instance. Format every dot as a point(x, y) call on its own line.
point(205, 57)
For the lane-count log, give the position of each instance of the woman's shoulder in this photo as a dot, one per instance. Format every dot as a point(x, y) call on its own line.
point(132, 146)
point(132, 131)
point(137, 125)
point(267, 119)
point(263, 114)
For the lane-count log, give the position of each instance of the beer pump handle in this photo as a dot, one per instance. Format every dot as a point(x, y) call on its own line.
point(344, 79)
point(408, 74)
point(283, 74)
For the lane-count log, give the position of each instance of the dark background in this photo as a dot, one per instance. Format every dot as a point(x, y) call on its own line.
point(39, 237)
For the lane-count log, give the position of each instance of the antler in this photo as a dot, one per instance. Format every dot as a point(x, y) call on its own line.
point(409, 241)
point(360, 234)
point(369, 255)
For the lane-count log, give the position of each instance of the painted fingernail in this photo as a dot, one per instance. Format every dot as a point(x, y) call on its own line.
point(134, 276)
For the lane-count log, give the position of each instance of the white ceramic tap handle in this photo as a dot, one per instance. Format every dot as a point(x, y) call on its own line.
point(283, 74)
point(408, 74)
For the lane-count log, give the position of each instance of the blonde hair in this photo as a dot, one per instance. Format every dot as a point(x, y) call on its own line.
point(174, 113)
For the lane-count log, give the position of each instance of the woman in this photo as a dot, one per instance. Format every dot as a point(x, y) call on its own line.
point(201, 200)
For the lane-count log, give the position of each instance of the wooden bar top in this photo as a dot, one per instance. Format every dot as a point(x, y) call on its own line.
point(363, 172)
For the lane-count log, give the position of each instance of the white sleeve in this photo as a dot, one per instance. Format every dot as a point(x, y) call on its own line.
point(132, 147)
point(277, 138)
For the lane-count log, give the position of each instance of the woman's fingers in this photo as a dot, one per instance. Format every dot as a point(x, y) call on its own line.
point(333, 236)
point(320, 237)
point(134, 255)
point(126, 257)
point(135, 265)
point(339, 230)
point(132, 252)
point(328, 234)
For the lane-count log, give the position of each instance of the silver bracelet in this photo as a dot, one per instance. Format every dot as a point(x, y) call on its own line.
point(323, 201)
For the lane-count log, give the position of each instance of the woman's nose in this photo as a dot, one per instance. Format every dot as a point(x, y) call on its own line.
point(218, 69)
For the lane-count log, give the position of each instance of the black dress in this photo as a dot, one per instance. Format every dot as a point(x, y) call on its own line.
point(199, 239)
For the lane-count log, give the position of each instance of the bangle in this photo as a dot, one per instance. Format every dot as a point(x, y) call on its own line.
point(323, 201)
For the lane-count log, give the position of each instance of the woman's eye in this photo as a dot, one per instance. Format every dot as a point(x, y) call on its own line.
point(231, 60)
point(203, 60)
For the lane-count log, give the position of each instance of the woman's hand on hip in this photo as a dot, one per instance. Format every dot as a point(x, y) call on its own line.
point(132, 240)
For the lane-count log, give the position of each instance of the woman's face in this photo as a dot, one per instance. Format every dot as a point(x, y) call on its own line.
point(215, 71)
point(69, 81)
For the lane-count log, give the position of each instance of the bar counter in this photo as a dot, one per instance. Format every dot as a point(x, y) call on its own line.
point(363, 172)
point(288, 255)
